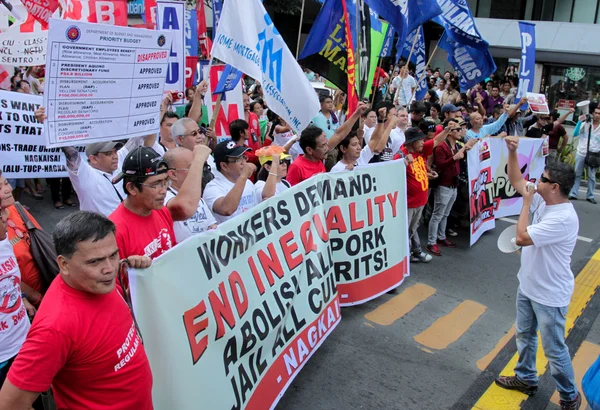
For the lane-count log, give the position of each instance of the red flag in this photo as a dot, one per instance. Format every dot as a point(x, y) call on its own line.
point(41, 10)
point(203, 39)
point(191, 67)
point(4, 78)
point(150, 11)
point(352, 97)
point(113, 12)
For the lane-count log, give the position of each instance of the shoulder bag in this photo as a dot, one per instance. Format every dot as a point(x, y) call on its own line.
point(592, 159)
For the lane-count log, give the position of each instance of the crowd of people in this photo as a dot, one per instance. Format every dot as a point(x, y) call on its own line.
point(141, 197)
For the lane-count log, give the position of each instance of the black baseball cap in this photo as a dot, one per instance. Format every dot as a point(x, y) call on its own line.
point(413, 134)
point(228, 149)
point(142, 162)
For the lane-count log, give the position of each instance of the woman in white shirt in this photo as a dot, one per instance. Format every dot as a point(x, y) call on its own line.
point(351, 155)
point(270, 178)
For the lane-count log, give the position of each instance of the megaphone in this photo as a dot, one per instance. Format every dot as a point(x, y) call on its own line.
point(507, 241)
point(584, 106)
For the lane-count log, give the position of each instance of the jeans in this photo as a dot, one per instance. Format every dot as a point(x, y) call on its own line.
point(444, 198)
point(414, 217)
point(579, 165)
point(551, 323)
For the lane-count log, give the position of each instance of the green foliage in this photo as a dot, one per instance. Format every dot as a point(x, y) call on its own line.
point(567, 154)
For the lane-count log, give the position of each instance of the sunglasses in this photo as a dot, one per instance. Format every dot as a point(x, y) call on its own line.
point(547, 181)
point(18, 231)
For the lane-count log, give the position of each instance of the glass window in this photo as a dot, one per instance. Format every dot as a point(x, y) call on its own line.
point(484, 8)
point(571, 83)
point(563, 10)
point(584, 11)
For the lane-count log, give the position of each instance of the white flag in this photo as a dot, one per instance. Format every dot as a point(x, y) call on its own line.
point(247, 39)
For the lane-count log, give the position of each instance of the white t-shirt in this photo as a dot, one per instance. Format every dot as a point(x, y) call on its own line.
point(220, 187)
point(280, 139)
point(198, 223)
point(280, 188)
point(365, 156)
point(545, 275)
point(95, 189)
point(395, 141)
point(583, 140)
point(12, 307)
point(404, 91)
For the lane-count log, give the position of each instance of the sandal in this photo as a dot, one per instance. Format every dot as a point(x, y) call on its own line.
point(59, 205)
point(70, 203)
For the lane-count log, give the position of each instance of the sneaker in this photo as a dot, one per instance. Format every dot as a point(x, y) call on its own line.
point(421, 257)
point(572, 404)
point(451, 233)
point(434, 250)
point(514, 383)
point(446, 243)
point(592, 201)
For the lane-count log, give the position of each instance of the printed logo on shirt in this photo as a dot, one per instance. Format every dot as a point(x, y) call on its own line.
point(10, 292)
point(130, 346)
point(420, 172)
point(196, 222)
point(159, 245)
point(246, 202)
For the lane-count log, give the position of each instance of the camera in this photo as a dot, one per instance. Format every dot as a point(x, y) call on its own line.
point(177, 95)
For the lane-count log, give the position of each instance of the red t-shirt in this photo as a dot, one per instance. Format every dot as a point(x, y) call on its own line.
point(417, 182)
point(254, 140)
point(379, 75)
point(302, 169)
point(87, 347)
point(138, 235)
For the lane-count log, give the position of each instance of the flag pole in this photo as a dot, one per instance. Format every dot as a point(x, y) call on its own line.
point(358, 50)
point(376, 73)
point(300, 29)
point(426, 65)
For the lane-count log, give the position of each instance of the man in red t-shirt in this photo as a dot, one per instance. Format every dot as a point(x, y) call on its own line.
point(416, 151)
point(315, 145)
point(144, 224)
point(83, 340)
point(254, 141)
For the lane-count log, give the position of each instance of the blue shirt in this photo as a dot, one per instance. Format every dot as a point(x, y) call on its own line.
point(488, 129)
point(325, 124)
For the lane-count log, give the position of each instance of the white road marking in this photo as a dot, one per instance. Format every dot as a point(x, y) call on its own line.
point(514, 221)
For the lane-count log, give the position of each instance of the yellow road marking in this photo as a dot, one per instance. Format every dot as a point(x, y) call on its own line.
point(448, 329)
point(400, 305)
point(496, 398)
point(487, 359)
point(585, 356)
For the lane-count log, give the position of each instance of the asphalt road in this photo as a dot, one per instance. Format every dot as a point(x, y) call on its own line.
point(426, 346)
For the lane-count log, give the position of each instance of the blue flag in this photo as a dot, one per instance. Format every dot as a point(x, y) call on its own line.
point(407, 17)
point(217, 6)
point(472, 65)
point(459, 24)
point(386, 48)
point(228, 80)
point(527, 67)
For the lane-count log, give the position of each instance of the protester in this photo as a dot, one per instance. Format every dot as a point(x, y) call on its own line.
point(187, 134)
point(316, 146)
point(516, 125)
point(478, 130)
point(240, 134)
point(493, 100)
point(498, 111)
point(558, 134)
point(84, 340)
point(60, 192)
point(326, 118)
point(284, 136)
point(15, 308)
point(165, 139)
point(546, 281)
point(589, 137)
point(441, 88)
point(478, 92)
point(254, 127)
point(417, 113)
point(351, 152)
point(270, 178)
point(370, 119)
point(144, 224)
point(405, 89)
point(231, 192)
point(447, 158)
point(434, 111)
point(540, 128)
point(32, 282)
point(451, 95)
point(183, 174)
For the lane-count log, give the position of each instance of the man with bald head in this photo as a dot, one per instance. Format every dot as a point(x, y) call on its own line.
point(179, 161)
point(478, 130)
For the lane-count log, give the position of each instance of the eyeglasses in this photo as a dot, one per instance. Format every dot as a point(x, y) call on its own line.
point(195, 133)
point(547, 181)
point(243, 158)
point(18, 231)
point(165, 183)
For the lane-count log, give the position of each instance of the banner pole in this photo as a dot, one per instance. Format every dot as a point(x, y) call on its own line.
point(358, 50)
point(426, 65)
point(300, 29)
point(376, 90)
point(216, 110)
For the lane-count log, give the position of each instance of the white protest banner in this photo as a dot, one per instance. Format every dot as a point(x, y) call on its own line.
point(248, 40)
point(481, 190)
point(24, 44)
point(232, 315)
point(22, 150)
point(538, 103)
point(103, 82)
point(532, 163)
point(171, 17)
point(232, 103)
